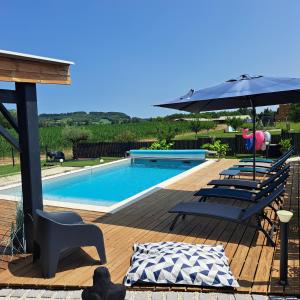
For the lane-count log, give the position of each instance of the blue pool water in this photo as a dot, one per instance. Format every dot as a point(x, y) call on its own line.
point(109, 186)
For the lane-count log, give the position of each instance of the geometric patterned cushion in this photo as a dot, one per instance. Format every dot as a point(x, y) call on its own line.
point(180, 263)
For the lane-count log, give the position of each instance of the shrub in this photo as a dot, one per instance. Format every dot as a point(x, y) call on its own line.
point(221, 148)
point(161, 145)
point(285, 144)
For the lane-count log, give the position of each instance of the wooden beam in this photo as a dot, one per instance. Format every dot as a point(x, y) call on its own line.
point(8, 96)
point(9, 138)
point(7, 115)
point(25, 70)
point(29, 156)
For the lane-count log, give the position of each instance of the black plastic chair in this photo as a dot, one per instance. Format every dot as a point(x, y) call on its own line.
point(56, 232)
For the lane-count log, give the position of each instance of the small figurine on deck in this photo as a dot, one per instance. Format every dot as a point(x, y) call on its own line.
point(103, 288)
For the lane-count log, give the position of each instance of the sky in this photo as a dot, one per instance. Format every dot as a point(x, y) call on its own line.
point(131, 54)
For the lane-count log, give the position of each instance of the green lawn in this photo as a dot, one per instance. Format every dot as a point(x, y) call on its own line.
point(89, 162)
point(211, 133)
point(9, 170)
point(294, 126)
point(6, 170)
point(221, 134)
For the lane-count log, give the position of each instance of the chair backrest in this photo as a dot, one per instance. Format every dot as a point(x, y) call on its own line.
point(259, 206)
point(274, 176)
point(289, 152)
point(280, 162)
point(272, 186)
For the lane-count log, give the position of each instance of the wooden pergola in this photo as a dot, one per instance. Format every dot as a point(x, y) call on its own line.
point(26, 71)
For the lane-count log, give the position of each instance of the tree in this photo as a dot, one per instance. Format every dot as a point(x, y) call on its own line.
point(195, 126)
point(294, 112)
point(207, 125)
point(235, 123)
point(166, 134)
point(74, 135)
point(245, 111)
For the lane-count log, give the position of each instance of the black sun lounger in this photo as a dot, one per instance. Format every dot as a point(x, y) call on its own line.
point(265, 164)
point(248, 184)
point(238, 194)
point(267, 160)
point(231, 213)
point(263, 170)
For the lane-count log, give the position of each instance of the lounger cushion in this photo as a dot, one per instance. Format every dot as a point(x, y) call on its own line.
point(180, 263)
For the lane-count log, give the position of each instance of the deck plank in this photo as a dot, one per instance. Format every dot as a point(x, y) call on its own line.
point(253, 262)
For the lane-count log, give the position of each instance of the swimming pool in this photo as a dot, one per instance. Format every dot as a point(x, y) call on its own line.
point(107, 186)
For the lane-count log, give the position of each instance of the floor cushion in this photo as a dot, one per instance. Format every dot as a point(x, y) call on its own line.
point(180, 263)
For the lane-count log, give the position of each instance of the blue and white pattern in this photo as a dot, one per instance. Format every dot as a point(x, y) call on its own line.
point(180, 263)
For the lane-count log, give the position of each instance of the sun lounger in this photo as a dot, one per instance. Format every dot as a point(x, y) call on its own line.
point(262, 170)
point(266, 164)
point(267, 160)
point(248, 184)
point(239, 194)
point(231, 213)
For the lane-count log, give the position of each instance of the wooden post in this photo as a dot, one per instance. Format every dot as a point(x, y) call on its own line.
point(29, 156)
point(13, 156)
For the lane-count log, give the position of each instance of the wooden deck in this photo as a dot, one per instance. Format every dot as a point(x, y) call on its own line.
point(254, 264)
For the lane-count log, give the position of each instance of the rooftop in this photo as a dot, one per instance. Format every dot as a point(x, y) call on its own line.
point(20, 67)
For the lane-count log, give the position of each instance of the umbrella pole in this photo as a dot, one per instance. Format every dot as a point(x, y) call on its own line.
point(254, 138)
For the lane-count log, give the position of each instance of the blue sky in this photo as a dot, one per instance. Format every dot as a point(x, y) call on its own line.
point(130, 54)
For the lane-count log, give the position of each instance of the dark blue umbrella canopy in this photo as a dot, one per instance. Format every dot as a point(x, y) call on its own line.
point(245, 91)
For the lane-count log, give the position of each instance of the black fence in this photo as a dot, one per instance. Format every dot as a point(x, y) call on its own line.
point(116, 149)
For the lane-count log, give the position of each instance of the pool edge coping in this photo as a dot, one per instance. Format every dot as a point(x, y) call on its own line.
point(115, 207)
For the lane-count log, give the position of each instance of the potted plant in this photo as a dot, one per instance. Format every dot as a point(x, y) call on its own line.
point(220, 148)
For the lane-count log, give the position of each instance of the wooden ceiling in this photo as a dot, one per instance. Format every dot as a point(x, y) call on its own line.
point(19, 67)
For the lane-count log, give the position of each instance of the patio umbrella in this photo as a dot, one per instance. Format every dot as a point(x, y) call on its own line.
point(245, 91)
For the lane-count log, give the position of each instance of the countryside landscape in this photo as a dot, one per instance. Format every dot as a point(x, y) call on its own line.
point(119, 127)
point(150, 150)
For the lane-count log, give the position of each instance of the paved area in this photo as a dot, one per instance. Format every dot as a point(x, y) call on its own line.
point(12, 179)
point(76, 294)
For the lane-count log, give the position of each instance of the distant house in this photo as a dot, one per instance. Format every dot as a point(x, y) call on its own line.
point(219, 120)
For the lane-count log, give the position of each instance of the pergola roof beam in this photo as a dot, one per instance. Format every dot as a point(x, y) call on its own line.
point(19, 67)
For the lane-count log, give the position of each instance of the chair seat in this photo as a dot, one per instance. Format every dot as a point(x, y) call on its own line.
point(207, 209)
